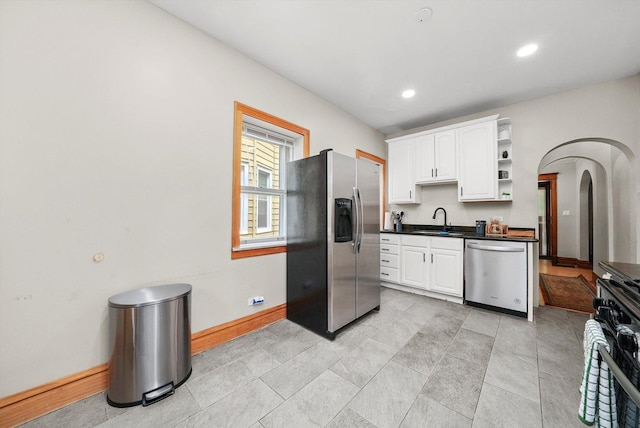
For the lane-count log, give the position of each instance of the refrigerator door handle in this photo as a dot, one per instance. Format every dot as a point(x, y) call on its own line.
point(360, 220)
point(356, 228)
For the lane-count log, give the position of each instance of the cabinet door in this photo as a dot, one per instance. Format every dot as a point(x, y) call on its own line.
point(414, 266)
point(402, 186)
point(477, 168)
point(446, 272)
point(445, 156)
point(425, 161)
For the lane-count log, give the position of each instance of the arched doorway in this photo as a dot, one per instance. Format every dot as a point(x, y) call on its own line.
point(596, 218)
point(586, 217)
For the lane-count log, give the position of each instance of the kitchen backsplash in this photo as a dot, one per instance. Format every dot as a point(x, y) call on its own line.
point(458, 213)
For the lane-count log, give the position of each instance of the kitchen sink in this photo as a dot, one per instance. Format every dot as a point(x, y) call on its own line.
point(436, 233)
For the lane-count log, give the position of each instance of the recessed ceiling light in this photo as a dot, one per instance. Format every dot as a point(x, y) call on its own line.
point(408, 93)
point(527, 50)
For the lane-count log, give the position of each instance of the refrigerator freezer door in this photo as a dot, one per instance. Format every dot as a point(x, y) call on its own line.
point(307, 243)
point(341, 263)
point(368, 258)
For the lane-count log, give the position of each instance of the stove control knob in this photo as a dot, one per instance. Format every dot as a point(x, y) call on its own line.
point(605, 314)
point(615, 317)
point(623, 318)
point(598, 302)
point(628, 342)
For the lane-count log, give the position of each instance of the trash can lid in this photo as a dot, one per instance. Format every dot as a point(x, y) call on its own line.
point(149, 295)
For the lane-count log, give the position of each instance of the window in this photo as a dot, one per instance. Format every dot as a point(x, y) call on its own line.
point(263, 144)
point(244, 202)
point(265, 208)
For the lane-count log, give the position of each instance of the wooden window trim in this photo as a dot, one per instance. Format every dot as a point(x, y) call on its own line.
point(239, 111)
point(383, 167)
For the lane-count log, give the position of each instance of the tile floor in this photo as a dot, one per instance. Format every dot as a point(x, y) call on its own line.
point(419, 362)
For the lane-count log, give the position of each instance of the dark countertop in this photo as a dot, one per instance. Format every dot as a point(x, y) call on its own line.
point(468, 232)
point(624, 270)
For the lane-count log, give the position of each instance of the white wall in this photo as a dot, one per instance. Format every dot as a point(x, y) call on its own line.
point(568, 222)
point(609, 110)
point(584, 182)
point(116, 125)
point(624, 250)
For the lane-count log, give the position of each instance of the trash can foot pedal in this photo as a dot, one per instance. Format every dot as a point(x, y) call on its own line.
point(158, 394)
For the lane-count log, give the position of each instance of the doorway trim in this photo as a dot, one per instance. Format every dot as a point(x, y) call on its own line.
point(546, 236)
point(552, 179)
point(586, 219)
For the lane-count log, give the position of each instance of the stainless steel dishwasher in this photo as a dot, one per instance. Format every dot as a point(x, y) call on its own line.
point(495, 274)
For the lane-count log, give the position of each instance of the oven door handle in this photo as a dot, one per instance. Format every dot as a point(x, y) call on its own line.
point(623, 380)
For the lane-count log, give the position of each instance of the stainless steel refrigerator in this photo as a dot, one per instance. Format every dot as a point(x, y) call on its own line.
point(333, 247)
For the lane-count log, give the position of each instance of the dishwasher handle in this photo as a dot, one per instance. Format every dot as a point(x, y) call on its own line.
point(495, 248)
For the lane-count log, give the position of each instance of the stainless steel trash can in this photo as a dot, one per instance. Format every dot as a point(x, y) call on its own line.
point(150, 337)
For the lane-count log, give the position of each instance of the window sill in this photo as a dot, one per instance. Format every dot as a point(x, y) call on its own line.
point(253, 252)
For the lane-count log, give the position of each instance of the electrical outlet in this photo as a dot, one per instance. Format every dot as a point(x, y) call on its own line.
point(499, 218)
point(255, 300)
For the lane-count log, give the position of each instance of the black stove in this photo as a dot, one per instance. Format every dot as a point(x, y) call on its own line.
point(618, 311)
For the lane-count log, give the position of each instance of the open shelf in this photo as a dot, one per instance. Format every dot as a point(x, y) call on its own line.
point(504, 144)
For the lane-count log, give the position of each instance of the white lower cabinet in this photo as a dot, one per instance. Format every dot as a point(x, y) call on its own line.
point(389, 264)
point(414, 267)
point(389, 258)
point(446, 266)
point(428, 263)
point(389, 275)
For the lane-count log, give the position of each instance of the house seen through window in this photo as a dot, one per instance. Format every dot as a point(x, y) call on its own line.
point(263, 146)
point(264, 157)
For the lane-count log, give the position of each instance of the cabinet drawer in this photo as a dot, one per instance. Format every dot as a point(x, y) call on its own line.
point(388, 238)
point(388, 249)
point(389, 274)
point(389, 260)
point(415, 241)
point(447, 243)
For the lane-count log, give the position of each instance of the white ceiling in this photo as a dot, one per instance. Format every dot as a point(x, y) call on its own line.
point(361, 54)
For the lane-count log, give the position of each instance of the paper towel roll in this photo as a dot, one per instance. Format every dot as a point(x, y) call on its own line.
point(388, 221)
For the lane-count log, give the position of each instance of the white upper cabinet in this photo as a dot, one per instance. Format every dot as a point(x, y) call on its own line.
point(402, 180)
point(477, 162)
point(425, 158)
point(471, 153)
point(436, 157)
point(446, 160)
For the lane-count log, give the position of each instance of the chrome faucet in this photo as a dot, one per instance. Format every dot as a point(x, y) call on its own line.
point(444, 228)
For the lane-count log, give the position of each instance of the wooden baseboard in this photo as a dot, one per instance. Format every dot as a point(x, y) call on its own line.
point(32, 403)
point(584, 264)
point(27, 405)
point(571, 262)
point(214, 336)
